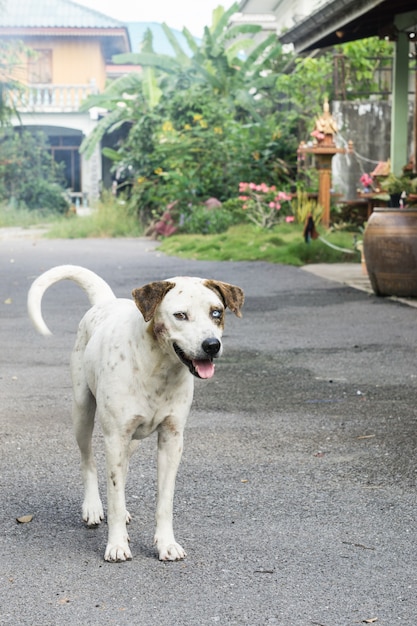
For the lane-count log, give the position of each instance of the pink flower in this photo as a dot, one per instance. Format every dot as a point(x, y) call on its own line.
point(318, 135)
point(289, 218)
point(283, 196)
point(366, 180)
point(271, 205)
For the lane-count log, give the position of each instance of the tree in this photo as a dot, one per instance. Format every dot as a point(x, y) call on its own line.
point(29, 177)
point(10, 58)
point(308, 80)
point(199, 124)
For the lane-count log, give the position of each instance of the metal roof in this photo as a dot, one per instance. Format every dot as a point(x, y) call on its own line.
point(340, 21)
point(52, 14)
point(62, 18)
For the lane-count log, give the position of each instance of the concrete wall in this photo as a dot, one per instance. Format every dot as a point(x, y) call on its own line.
point(368, 125)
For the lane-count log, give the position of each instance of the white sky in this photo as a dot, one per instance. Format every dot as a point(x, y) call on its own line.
point(194, 14)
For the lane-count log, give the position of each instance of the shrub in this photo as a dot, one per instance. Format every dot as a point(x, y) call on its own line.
point(262, 204)
point(303, 206)
point(29, 177)
point(207, 221)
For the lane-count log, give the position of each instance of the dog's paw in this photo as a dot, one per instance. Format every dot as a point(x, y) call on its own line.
point(93, 514)
point(170, 551)
point(117, 553)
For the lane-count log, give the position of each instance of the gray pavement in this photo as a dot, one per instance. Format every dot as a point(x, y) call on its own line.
point(296, 497)
point(351, 274)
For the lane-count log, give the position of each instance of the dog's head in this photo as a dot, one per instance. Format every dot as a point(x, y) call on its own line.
point(187, 318)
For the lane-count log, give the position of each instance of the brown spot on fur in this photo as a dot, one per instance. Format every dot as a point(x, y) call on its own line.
point(170, 425)
point(149, 297)
point(159, 329)
point(232, 296)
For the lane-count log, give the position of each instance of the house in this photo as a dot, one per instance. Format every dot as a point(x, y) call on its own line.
point(311, 26)
point(274, 16)
point(392, 19)
point(70, 50)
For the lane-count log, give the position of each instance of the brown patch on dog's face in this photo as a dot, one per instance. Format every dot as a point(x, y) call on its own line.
point(232, 296)
point(218, 316)
point(159, 329)
point(149, 297)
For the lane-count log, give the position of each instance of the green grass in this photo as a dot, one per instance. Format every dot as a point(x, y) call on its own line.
point(244, 242)
point(23, 217)
point(110, 219)
point(284, 244)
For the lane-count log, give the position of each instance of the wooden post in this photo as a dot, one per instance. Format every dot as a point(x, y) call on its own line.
point(324, 166)
point(324, 148)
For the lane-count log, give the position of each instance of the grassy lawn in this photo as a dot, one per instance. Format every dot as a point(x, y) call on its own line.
point(108, 219)
point(244, 242)
point(284, 244)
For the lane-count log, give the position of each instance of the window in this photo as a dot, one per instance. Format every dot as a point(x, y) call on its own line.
point(40, 67)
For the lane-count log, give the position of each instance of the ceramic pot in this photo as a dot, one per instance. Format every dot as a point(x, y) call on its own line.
point(390, 249)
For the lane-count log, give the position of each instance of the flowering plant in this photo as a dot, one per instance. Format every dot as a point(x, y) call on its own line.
point(366, 181)
point(261, 203)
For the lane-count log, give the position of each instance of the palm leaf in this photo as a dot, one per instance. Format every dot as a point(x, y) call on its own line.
point(181, 56)
point(221, 18)
point(240, 29)
point(257, 52)
point(161, 61)
point(90, 142)
point(192, 44)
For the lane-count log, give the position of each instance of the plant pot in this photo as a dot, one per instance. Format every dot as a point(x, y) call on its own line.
point(390, 249)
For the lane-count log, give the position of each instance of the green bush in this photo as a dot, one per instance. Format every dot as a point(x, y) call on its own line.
point(209, 221)
point(29, 177)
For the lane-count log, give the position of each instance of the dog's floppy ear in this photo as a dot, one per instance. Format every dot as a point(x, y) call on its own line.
point(148, 297)
point(232, 296)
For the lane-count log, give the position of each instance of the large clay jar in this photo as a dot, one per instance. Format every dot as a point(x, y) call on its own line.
point(390, 249)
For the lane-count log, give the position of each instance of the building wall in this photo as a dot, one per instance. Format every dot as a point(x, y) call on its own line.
point(368, 125)
point(74, 60)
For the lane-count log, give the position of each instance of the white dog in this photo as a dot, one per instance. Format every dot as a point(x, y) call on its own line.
point(134, 363)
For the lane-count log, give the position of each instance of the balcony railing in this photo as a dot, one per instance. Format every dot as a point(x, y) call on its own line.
point(49, 98)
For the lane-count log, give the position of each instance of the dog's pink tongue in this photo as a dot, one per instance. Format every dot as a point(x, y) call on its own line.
point(205, 369)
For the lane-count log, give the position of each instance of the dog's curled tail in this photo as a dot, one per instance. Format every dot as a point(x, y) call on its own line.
point(97, 290)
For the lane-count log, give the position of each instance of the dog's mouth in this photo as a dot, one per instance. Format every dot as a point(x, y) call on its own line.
point(201, 368)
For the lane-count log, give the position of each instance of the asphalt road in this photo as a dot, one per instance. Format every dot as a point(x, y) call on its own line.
point(296, 497)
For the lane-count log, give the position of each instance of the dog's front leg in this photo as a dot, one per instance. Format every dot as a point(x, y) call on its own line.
point(170, 445)
point(117, 454)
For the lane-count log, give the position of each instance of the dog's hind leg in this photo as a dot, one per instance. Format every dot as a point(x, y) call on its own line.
point(83, 412)
point(170, 445)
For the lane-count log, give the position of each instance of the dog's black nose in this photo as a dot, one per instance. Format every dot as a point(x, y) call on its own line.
point(211, 346)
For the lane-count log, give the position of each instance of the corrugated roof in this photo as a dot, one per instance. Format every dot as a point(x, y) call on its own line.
point(52, 14)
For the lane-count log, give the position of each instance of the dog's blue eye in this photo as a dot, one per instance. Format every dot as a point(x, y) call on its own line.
point(216, 314)
point(181, 316)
